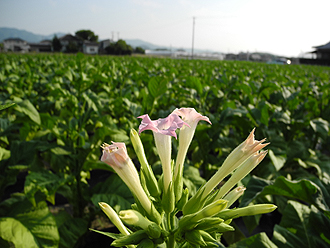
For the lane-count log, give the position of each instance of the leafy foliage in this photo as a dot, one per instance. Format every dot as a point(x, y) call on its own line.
point(67, 105)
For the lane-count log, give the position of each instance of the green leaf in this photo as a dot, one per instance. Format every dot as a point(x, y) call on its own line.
point(2, 107)
point(278, 161)
point(21, 237)
point(44, 181)
point(114, 192)
point(157, 87)
point(298, 227)
point(259, 240)
point(27, 226)
point(194, 83)
point(320, 126)
point(70, 229)
point(27, 108)
point(303, 189)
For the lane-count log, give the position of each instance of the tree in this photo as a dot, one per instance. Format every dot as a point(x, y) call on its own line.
point(119, 48)
point(87, 35)
point(139, 50)
point(57, 46)
point(72, 47)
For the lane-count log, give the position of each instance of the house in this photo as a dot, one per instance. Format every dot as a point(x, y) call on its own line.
point(15, 45)
point(103, 44)
point(322, 52)
point(90, 47)
point(70, 43)
point(42, 46)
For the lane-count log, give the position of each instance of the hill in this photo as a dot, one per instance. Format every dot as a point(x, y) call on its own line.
point(6, 33)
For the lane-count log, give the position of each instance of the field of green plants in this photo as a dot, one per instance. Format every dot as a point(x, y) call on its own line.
point(66, 106)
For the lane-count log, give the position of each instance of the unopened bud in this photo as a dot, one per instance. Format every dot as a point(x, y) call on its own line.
point(246, 211)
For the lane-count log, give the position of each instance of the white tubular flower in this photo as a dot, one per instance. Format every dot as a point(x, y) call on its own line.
point(162, 130)
point(116, 156)
point(241, 172)
point(114, 218)
point(241, 153)
point(191, 117)
point(233, 195)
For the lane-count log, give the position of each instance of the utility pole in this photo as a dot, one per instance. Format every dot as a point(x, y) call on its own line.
point(193, 36)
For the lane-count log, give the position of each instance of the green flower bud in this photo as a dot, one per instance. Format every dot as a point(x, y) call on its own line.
point(134, 218)
point(114, 218)
point(132, 239)
point(208, 223)
point(183, 200)
point(146, 243)
point(195, 237)
point(168, 201)
point(246, 211)
point(188, 221)
point(233, 195)
point(150, 178)
point(207, 237)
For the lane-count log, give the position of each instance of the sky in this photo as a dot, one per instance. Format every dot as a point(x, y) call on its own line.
point(282, 27)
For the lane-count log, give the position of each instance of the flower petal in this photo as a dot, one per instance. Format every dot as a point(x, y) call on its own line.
point(166, 126)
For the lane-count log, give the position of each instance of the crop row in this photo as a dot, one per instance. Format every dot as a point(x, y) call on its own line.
point(68, 105)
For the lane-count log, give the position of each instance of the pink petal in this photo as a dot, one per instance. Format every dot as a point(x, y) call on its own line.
point(190, 115)
point(166, 126)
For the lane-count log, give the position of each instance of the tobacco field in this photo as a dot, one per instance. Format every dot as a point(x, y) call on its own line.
point(61, 108)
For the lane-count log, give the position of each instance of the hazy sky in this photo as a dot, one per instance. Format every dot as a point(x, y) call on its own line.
point(283, 27)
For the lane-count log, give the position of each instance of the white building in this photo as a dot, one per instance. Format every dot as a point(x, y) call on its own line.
point(90, 47)
point(15, 45)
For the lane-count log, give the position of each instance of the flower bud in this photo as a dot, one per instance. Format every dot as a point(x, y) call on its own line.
point(134, 218)
point(195, 237)
point(233, 195)
point(150, 178)
point(131, 239)
point(234, 160)
point(241, 172)
point(114, 218)
point(210, 210)
point(246, 211)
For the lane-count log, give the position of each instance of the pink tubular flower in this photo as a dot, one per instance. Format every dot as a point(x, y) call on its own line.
point(162, 130)
point(116, 156)
point(191, 117)
point(166, 126)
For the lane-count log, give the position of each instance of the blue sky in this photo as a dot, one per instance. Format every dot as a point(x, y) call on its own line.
point(283, 27)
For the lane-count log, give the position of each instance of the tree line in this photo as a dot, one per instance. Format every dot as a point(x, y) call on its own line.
point(115, 48)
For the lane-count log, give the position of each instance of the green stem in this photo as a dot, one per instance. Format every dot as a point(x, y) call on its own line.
point(170, 226)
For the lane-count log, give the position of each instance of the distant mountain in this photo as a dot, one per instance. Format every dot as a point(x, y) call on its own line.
point(6, 33)
point(140, 43)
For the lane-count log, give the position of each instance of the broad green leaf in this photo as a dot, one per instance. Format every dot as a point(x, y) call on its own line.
point(15, 232)
point(278, 161)
point(320, 126)
point(194, 83)
point(303, 189)
point(259, 240)
point(4, 154)
point(70, 229)
point(27, 226)
point(2, 107)
point(157, 87)
point(114, 192)
point(46, 182)
point(27, 108)
point(297, 227)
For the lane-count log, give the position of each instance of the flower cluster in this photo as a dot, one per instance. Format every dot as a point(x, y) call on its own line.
point(153, 218)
